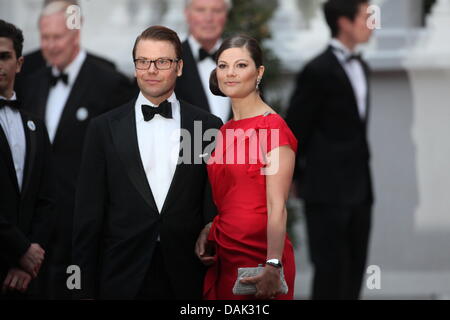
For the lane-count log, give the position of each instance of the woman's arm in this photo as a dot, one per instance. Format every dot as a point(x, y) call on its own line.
point(278, 182)
point(279, 172)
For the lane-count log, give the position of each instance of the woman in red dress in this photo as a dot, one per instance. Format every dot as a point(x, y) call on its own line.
point(250, 173)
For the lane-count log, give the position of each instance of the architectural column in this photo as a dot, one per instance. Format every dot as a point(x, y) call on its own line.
point(429, 70)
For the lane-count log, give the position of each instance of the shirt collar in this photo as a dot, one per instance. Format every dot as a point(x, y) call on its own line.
point(195, 46)
point(342, 52)
point(73, 68)
point(13, 98)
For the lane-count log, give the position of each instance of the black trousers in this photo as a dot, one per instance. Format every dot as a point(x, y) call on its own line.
point(156, 285)
point(338, 243)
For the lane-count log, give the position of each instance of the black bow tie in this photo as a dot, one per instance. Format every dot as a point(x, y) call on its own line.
point(203, 54)
point(15, 104)
point(354, 56)
point(351, 57)
point(64, 77)
point(164, 109)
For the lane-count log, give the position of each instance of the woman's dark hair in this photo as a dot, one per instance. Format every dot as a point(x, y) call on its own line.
point(335, 9)
point(237, 41)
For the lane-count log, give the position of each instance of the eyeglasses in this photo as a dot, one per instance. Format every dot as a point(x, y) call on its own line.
point(160, 64)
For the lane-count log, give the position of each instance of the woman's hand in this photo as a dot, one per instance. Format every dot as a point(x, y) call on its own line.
point(204, 250)
point(268, 283)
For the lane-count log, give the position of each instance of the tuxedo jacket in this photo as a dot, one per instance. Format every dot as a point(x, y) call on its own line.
point(96, 90)
point(116, 222)
point(189, 86)
point(35, 61)
point(333, 157)
point(26, 216)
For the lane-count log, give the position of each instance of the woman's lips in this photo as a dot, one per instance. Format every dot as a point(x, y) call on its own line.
point(231, 84)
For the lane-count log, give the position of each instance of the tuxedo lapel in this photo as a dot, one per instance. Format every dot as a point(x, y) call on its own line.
point(367, 75)
point(41, 94)
point(192, 79)
point(187, 125)
point(5, 153)
point(124, 135)
point(74, 100)
point(343, 79)
point(30, 136)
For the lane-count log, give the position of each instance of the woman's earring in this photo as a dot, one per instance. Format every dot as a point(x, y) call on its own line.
point(258, 83)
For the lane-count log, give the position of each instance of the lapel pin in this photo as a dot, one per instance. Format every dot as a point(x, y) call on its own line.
point(31, 125)
point(82, 114)
point(203, 155)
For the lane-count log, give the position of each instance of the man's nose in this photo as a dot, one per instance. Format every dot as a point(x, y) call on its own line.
point(152, 68)
point(209, 15)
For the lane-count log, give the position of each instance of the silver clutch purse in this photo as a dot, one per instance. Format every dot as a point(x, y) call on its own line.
point(250, 289)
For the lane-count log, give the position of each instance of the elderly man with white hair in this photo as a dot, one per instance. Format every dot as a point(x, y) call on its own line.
point(206, 20)
point(67, 94)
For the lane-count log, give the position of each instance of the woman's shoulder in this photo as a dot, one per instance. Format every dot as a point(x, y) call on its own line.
point(273, 120)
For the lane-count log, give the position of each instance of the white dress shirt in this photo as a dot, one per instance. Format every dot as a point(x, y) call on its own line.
point(12, 125)
point(159, 147)
point(220, 106)
point(355, 73)
point(58, 95)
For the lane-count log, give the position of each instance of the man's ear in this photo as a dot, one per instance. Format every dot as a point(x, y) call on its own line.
point(20, 62)
point(180, 68)
point(343, 24)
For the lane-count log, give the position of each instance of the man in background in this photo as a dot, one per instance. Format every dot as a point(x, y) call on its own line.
point(206, 20)
point(27, 187)
point(329, 113)
point(66, 95)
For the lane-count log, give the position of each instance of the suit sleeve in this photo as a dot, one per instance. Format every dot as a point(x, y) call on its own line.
point(13, 243)
point(44, 217)
point(302, 113)
point(90, 203)
point(209, 208)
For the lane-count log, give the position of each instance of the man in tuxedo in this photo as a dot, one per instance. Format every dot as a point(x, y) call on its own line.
point(329, 113)
point(139, 210)
point(26, 184)
point(66, 96)
point(35, 60)
point(206, 20)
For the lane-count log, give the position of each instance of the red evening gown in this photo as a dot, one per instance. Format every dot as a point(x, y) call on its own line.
point(239, 231)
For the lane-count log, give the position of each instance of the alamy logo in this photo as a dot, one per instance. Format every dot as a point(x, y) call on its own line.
point(74, 280)
point(374, 20)
point(373, 281)
point(73, 21)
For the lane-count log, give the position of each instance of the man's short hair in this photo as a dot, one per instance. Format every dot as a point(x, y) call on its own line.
point(56, 6)
point(160, 33)
point(228, 3)
point(335, 9)
point(10, 31)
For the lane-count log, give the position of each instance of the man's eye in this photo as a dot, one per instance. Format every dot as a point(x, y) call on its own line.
point(5, 56)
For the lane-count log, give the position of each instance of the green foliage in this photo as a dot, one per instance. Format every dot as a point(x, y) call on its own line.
point(251, 17)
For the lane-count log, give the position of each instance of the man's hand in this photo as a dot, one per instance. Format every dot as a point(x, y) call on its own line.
point(203, 249)
point(32, 260)
point(16, 280)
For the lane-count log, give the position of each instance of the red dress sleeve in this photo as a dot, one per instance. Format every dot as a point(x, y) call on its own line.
point(279, 134)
